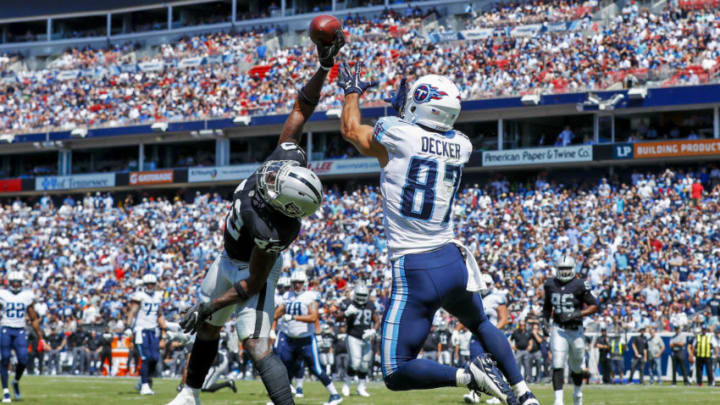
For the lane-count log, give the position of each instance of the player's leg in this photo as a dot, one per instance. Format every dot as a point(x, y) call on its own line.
point(311, 355)
point(576, 343)
point(354, 349)
point(219, 368)
point(145, 355)
point(406, 324)
point(253, 328)
point(476, 350)
point(20, 347)
point(559, 346)
point(363, 367)
point(6, 341)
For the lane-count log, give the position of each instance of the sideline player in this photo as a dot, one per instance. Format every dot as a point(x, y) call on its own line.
point(565, 297)
point(362, 322)
point(17, 303)
point(145, 316)
point(301, 314)
point(264, 220)
point(495, 303)
point(422, 157)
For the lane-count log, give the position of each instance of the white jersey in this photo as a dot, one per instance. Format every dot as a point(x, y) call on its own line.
point(491, 302)
point(419, 183)
point(299, 304)
point(147, 315)
point(14, 307)
point(281, 324)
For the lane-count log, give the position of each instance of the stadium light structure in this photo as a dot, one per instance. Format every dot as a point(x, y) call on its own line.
point(49, 145)
point(207, 133)
point(159, 127)
point(612, 102)
point(79, 133)
point(243, 120)
point(530, 99)
point(9, 138)
point(637, 93)
point(333, 113)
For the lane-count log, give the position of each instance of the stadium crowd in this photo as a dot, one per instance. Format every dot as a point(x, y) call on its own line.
point(257, 76)
point(648, 245)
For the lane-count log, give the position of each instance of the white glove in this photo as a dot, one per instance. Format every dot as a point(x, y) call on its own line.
point(352, 310)
point(368, 334)
point(287, 317)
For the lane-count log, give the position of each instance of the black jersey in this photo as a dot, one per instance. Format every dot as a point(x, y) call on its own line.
point(565, 299)
point(252, 222)
point(358, 317)
point(444, 337)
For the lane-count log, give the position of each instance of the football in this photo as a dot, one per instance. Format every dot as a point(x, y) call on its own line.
point(323, 28)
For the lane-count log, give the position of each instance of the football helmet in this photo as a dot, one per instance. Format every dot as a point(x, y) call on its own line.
point(283, 283)
point(15, 280)
point(489, 285)
point(149, 281)
point(360, 294)
point(291, 189)
point(298, 279)
point(433, 101)
point(565, 269)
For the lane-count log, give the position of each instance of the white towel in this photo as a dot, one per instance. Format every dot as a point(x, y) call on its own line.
point(475, 282)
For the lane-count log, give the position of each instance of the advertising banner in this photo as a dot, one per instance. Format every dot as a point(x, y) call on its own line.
point(623, 151)
point(480, 33)
point(345, 166)
point(96, 180)
point(536, 156)
point(201, 174)
point(154, 177)
point(10, 185)
point(526, 30)
point(688, 147)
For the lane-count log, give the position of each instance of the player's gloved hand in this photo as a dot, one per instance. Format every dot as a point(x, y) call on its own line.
point(287, 318)
point(352, 310)
point(398, 99)
point(195, 316)
point(327, 53)
point(351, 82)
point(368, 334)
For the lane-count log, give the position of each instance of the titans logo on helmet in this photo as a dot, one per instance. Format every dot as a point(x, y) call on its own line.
point(425, 92)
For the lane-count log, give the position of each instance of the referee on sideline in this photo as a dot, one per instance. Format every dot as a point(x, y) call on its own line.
point(702, 348)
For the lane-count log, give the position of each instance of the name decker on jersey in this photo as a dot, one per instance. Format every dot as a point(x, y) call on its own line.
point(252, 222)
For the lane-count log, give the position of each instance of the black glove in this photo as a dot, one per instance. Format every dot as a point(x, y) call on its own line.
point(398, 100)
point(194, 317)
point(351, 82)
point(327, 53)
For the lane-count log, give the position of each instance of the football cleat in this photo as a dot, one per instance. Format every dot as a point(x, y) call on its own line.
point(232, 386)
point(187, 396)
point(487, 379)
point(528, 399)
point(345, 390)
point(362, 392)
point(146, 390)
point(471, 397)
point(577, 399)
point(6, 398)
point(299, 393)
point(492, 400)
point(335, 399)
point(16, 390)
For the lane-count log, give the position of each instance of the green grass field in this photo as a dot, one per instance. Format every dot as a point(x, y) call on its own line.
point(110, 391)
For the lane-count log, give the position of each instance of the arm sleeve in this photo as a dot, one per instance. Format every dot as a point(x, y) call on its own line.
point(547, 304)
point(587, 296)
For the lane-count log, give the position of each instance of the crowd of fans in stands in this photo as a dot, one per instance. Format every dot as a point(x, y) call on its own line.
point(648, 246)
point(672, 47)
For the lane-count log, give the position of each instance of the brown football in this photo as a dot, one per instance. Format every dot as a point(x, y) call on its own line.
point(323, 28)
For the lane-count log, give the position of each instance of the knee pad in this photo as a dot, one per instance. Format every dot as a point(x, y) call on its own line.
point(558, 379)
point(577, 378)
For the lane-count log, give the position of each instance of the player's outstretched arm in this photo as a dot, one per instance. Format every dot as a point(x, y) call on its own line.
point(309, 95)
point(351, 127)
point(35, 321)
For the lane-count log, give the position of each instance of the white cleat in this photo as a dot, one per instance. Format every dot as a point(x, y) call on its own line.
point(345, 390)
point(471, 398)
point(146, 390)
point(577, 399)
point(6, 398)
point(558, 403)
point(186, 396)
point(492, 401)
point(362, 392)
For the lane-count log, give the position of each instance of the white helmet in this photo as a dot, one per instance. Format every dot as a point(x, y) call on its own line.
point(293, 190)
point(433, 101)
point(360, 294)
point(489, 284)
point(298, 276)
point(283, 282)
point(565, 269)
point(15, 280)
point(149, 279)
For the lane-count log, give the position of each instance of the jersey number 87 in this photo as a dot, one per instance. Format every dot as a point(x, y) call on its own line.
point(414, 184)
